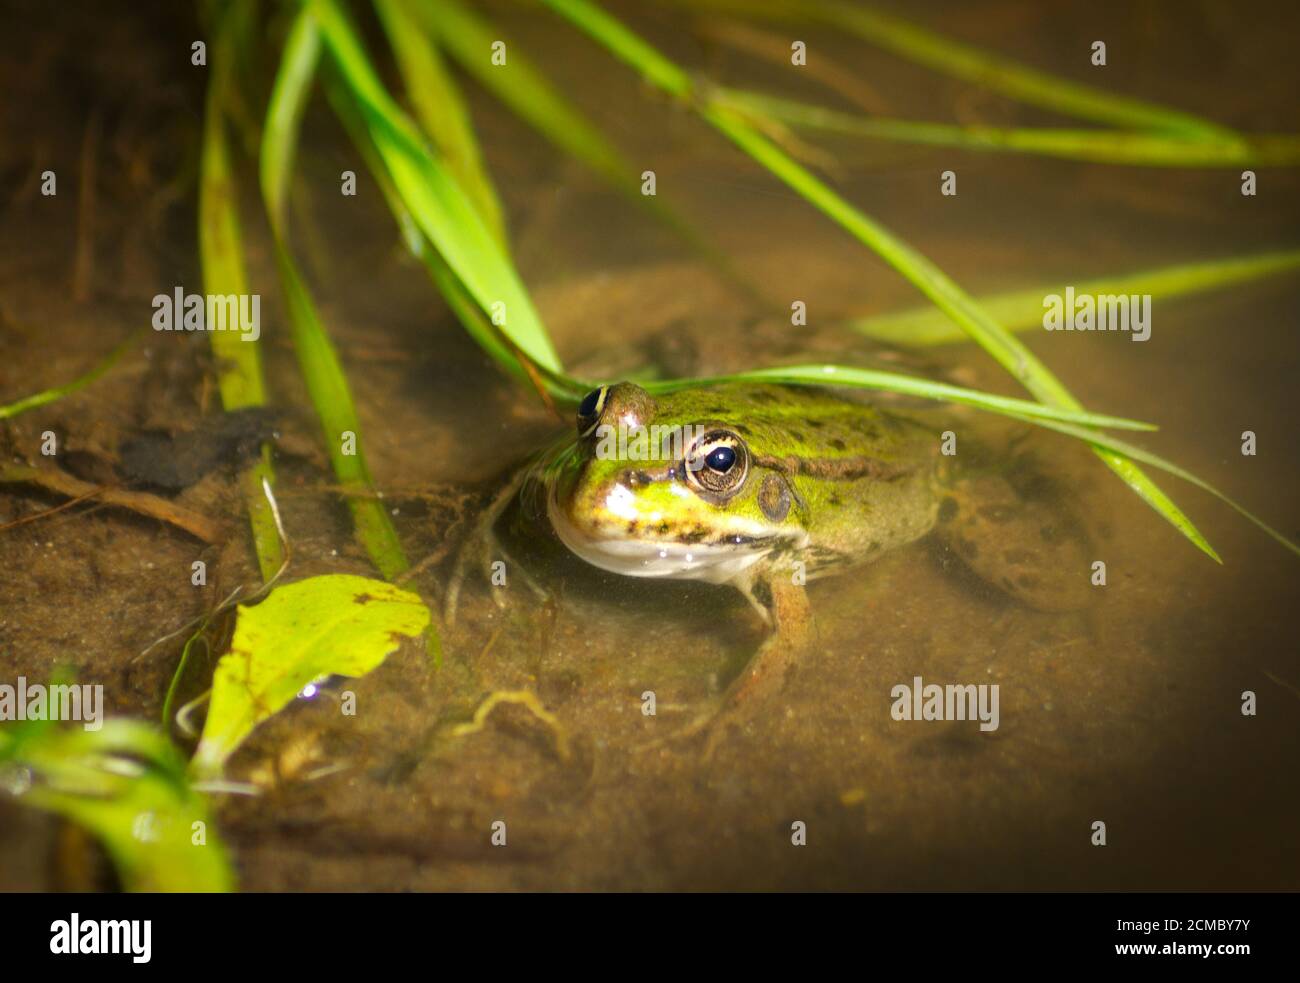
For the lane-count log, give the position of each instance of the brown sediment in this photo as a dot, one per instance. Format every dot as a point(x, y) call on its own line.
point(83, 271)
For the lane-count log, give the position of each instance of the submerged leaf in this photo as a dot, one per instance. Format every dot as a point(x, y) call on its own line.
point(334, 625)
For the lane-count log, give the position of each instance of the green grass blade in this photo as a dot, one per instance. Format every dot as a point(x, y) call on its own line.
point(319, 362)
point(1022, 310)
point(465, 308)
point(468, 38)
point(439, 107)
point(1108, 444)
point(432, 194)
point(1148, 149)
point(841, 375)
point(999, 73)
point(68, 388)
point(1023, 365)
point(988, 70)
point(238, 361)
point(526, 91)
point(1001, 344)
point(626, 46)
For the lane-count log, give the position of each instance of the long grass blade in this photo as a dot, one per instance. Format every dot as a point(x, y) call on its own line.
point(238, 360)
point(1147, 149)
point(995, 72)
point(440, 108)
point(47, 396)
point(1126, 451)
point(1022, 310)
point(433, 196)
point(319, 362)
point(462, 304)
point(1001, 344)
point(468, 38)
point(841, 375)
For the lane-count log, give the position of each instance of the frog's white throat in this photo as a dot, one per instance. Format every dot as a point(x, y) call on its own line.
point(714, 563)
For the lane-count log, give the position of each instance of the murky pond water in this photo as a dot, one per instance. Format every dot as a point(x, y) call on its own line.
point(1126, 711)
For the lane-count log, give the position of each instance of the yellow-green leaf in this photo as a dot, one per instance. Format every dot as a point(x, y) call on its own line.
point(335, 625)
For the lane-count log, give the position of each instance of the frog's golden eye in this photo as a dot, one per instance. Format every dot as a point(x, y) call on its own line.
point(717, 464)
point(589, 410)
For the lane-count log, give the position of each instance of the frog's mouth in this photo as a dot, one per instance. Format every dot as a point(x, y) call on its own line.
point(716, 563)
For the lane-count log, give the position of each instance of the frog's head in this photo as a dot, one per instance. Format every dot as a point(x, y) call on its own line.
point(672, 486)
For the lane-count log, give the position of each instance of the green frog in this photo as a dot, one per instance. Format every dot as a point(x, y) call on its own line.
point(764, 488)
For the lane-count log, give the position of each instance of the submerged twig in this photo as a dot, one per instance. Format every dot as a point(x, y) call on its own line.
point(61, 483)
point(46, 513)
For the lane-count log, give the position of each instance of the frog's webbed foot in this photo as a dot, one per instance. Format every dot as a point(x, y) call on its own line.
point(787, 613)
point(1033, 549)
point(483, 550)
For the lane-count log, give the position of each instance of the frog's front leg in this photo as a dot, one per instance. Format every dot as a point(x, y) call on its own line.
point(482, 548)
point(785, 607)
point(790, 621)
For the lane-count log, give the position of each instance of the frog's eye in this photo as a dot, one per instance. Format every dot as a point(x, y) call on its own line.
point(717, 464)
point(589, 410)
point(721, 459)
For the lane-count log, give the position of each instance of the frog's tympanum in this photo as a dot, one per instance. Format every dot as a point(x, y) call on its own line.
point(765, 488)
